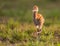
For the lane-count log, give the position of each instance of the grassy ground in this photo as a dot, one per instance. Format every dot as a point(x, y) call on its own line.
point(21, 34)
point(18, 31)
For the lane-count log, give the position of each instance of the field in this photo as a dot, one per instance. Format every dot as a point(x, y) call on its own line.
point(17, 27)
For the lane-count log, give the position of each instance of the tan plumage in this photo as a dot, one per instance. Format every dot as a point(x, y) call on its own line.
point(38, 19)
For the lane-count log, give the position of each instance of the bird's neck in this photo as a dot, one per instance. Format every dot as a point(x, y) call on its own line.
point(34, 14)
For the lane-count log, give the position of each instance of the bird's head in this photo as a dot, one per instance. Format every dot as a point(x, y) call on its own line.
point(35, 8)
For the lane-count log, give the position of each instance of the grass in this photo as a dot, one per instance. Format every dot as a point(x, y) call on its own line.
point(18, 31)
point(18, 34)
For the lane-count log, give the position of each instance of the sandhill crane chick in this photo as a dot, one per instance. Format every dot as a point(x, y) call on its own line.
point(38, 19)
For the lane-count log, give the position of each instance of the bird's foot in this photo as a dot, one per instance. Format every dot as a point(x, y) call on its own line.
point(39, 31)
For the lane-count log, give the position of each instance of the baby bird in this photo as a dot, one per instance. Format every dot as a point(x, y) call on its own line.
point(38, 19)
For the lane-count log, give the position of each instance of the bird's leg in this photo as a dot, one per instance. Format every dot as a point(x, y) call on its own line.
point(40, 28)
point(39, 31)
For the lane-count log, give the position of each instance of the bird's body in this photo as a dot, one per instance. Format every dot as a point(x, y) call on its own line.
point(38, 19)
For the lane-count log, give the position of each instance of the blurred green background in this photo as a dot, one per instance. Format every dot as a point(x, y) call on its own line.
point(22, 9)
